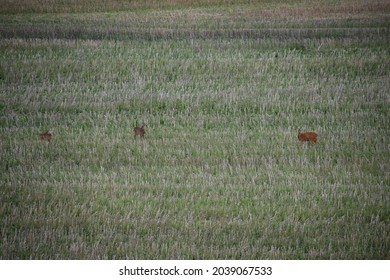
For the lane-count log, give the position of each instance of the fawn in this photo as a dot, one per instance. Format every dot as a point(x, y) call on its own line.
point(46, 136)
point(307, 136)
point(139, 131)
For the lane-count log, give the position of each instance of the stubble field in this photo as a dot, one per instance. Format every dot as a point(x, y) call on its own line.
point(222, 89)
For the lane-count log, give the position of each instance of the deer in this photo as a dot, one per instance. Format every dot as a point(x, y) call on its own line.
point(139, 131)
point(307, 136)
point(45, 136)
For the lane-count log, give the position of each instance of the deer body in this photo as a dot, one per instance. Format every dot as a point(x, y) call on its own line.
point(307, 136)
point(139, 131)
point(46, 136)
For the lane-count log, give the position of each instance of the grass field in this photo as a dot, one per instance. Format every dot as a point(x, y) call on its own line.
point(223, 89)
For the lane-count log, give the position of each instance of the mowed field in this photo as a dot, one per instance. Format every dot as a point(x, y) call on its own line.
point(223, 87)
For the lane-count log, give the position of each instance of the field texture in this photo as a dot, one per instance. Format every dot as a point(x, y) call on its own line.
point(223, 87)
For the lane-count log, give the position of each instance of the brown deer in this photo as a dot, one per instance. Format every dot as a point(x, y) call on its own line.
point(45, 136)
point(307, 136)
point(139, 131)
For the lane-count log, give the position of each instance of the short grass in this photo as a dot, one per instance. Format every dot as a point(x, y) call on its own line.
point(223, 89)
